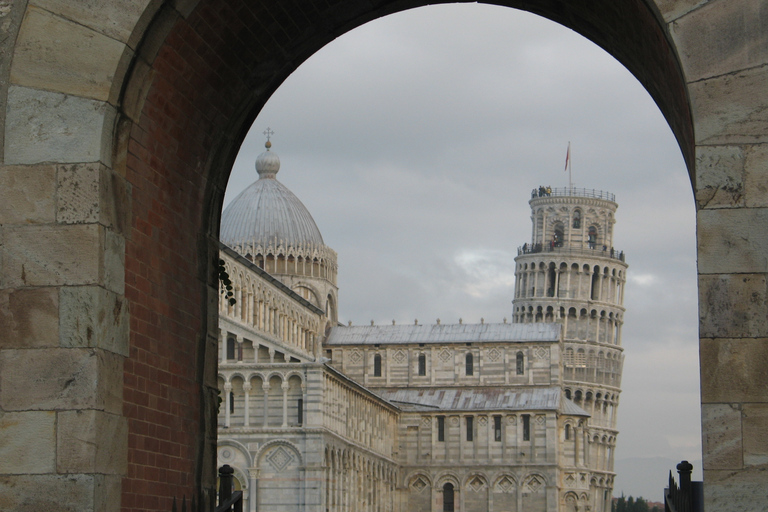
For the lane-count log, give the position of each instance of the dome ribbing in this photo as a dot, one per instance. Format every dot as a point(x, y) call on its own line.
point(267, 213)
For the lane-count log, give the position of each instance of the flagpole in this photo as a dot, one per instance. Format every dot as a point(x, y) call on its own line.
point(568, 167)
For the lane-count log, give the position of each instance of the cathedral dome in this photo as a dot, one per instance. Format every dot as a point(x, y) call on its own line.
point(267, 213)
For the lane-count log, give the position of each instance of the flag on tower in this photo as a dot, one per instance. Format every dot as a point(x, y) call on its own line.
point(567, 157)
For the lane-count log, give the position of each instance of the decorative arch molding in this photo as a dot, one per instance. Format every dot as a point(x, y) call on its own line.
point(257, 375)
point(534, 474)
point(476, 482)
point(295, 373)
point(240, 447)
point(446, 477)
point(236, 374)
point(279, 442)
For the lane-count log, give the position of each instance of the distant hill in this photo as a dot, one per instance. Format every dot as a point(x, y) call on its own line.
point(647, 477)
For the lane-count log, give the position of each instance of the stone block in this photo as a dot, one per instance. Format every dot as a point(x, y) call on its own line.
point(29, 318)
point(734, 370)
point(78, 193)
point(62, 493)
point(91, 316)
point(43, 126)
point(735, 491)
point(113, 18)
point(721, 427)
point(52, 255)
point(114, 262)
point(755, 184)
point(27, 442)
point(60, 379)
point(107, 493)
point(56, 54)
point(729, 109)
point(673, 9)
point(720, 177)
point(136, 92)
point(755, 430)
point(721, 37)
point(91, 442)
point(732, 306)
point(33, 194)
point(732, 240)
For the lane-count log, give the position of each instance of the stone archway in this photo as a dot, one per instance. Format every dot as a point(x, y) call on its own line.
point(120, 123)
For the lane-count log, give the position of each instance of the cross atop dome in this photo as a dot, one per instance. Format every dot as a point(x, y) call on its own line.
point(268, 132)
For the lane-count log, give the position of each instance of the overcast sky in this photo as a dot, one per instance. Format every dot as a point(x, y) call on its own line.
point(415, 141)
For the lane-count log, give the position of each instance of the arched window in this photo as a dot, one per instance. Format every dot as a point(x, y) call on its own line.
point(520, 363)
point(422, 364)
point(592, 237)
point(470, 364)
point(559, 236)
point(567, 431)
point(448, 497)
point(377, 365)
point(577, 219)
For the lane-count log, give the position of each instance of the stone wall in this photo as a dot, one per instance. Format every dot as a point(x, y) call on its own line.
point(143, 105)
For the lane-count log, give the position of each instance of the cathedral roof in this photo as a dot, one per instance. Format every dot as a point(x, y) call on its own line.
point(477, 399)
point(443, 333)
point(267, 213)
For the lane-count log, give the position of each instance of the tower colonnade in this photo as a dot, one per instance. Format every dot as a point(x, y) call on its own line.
point(571, 273)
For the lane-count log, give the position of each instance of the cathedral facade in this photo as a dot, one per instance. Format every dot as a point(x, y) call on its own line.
point(506, 417)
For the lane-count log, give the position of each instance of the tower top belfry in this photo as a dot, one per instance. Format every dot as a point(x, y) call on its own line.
point(572, 219)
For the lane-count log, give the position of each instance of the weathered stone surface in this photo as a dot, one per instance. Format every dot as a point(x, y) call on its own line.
point(136, 92)
point(721, 427)
point(735, 491)
point(33, 199)
point(46, 126)
point(35, 493)
point(11, 14)
point(114, 262)
point(29, 318)
point(755, 183)
point(55, 54)
point(113, 18)
point(27, 442)
point(720, 177)
point(107, 493)
point(91, 316)
point(53, 255)
point(732, 240)
point(60, 379)
point(729, 109)
point(734, 370)
point(731, 176)
point(722, 37)
point(91, 442)
point(77, 193)
point(673, 9)
point(755, 425)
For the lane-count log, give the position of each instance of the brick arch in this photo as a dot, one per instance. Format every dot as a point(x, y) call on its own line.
point(155, 121)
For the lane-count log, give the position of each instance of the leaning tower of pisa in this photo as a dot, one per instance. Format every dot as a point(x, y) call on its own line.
point(570, 272)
